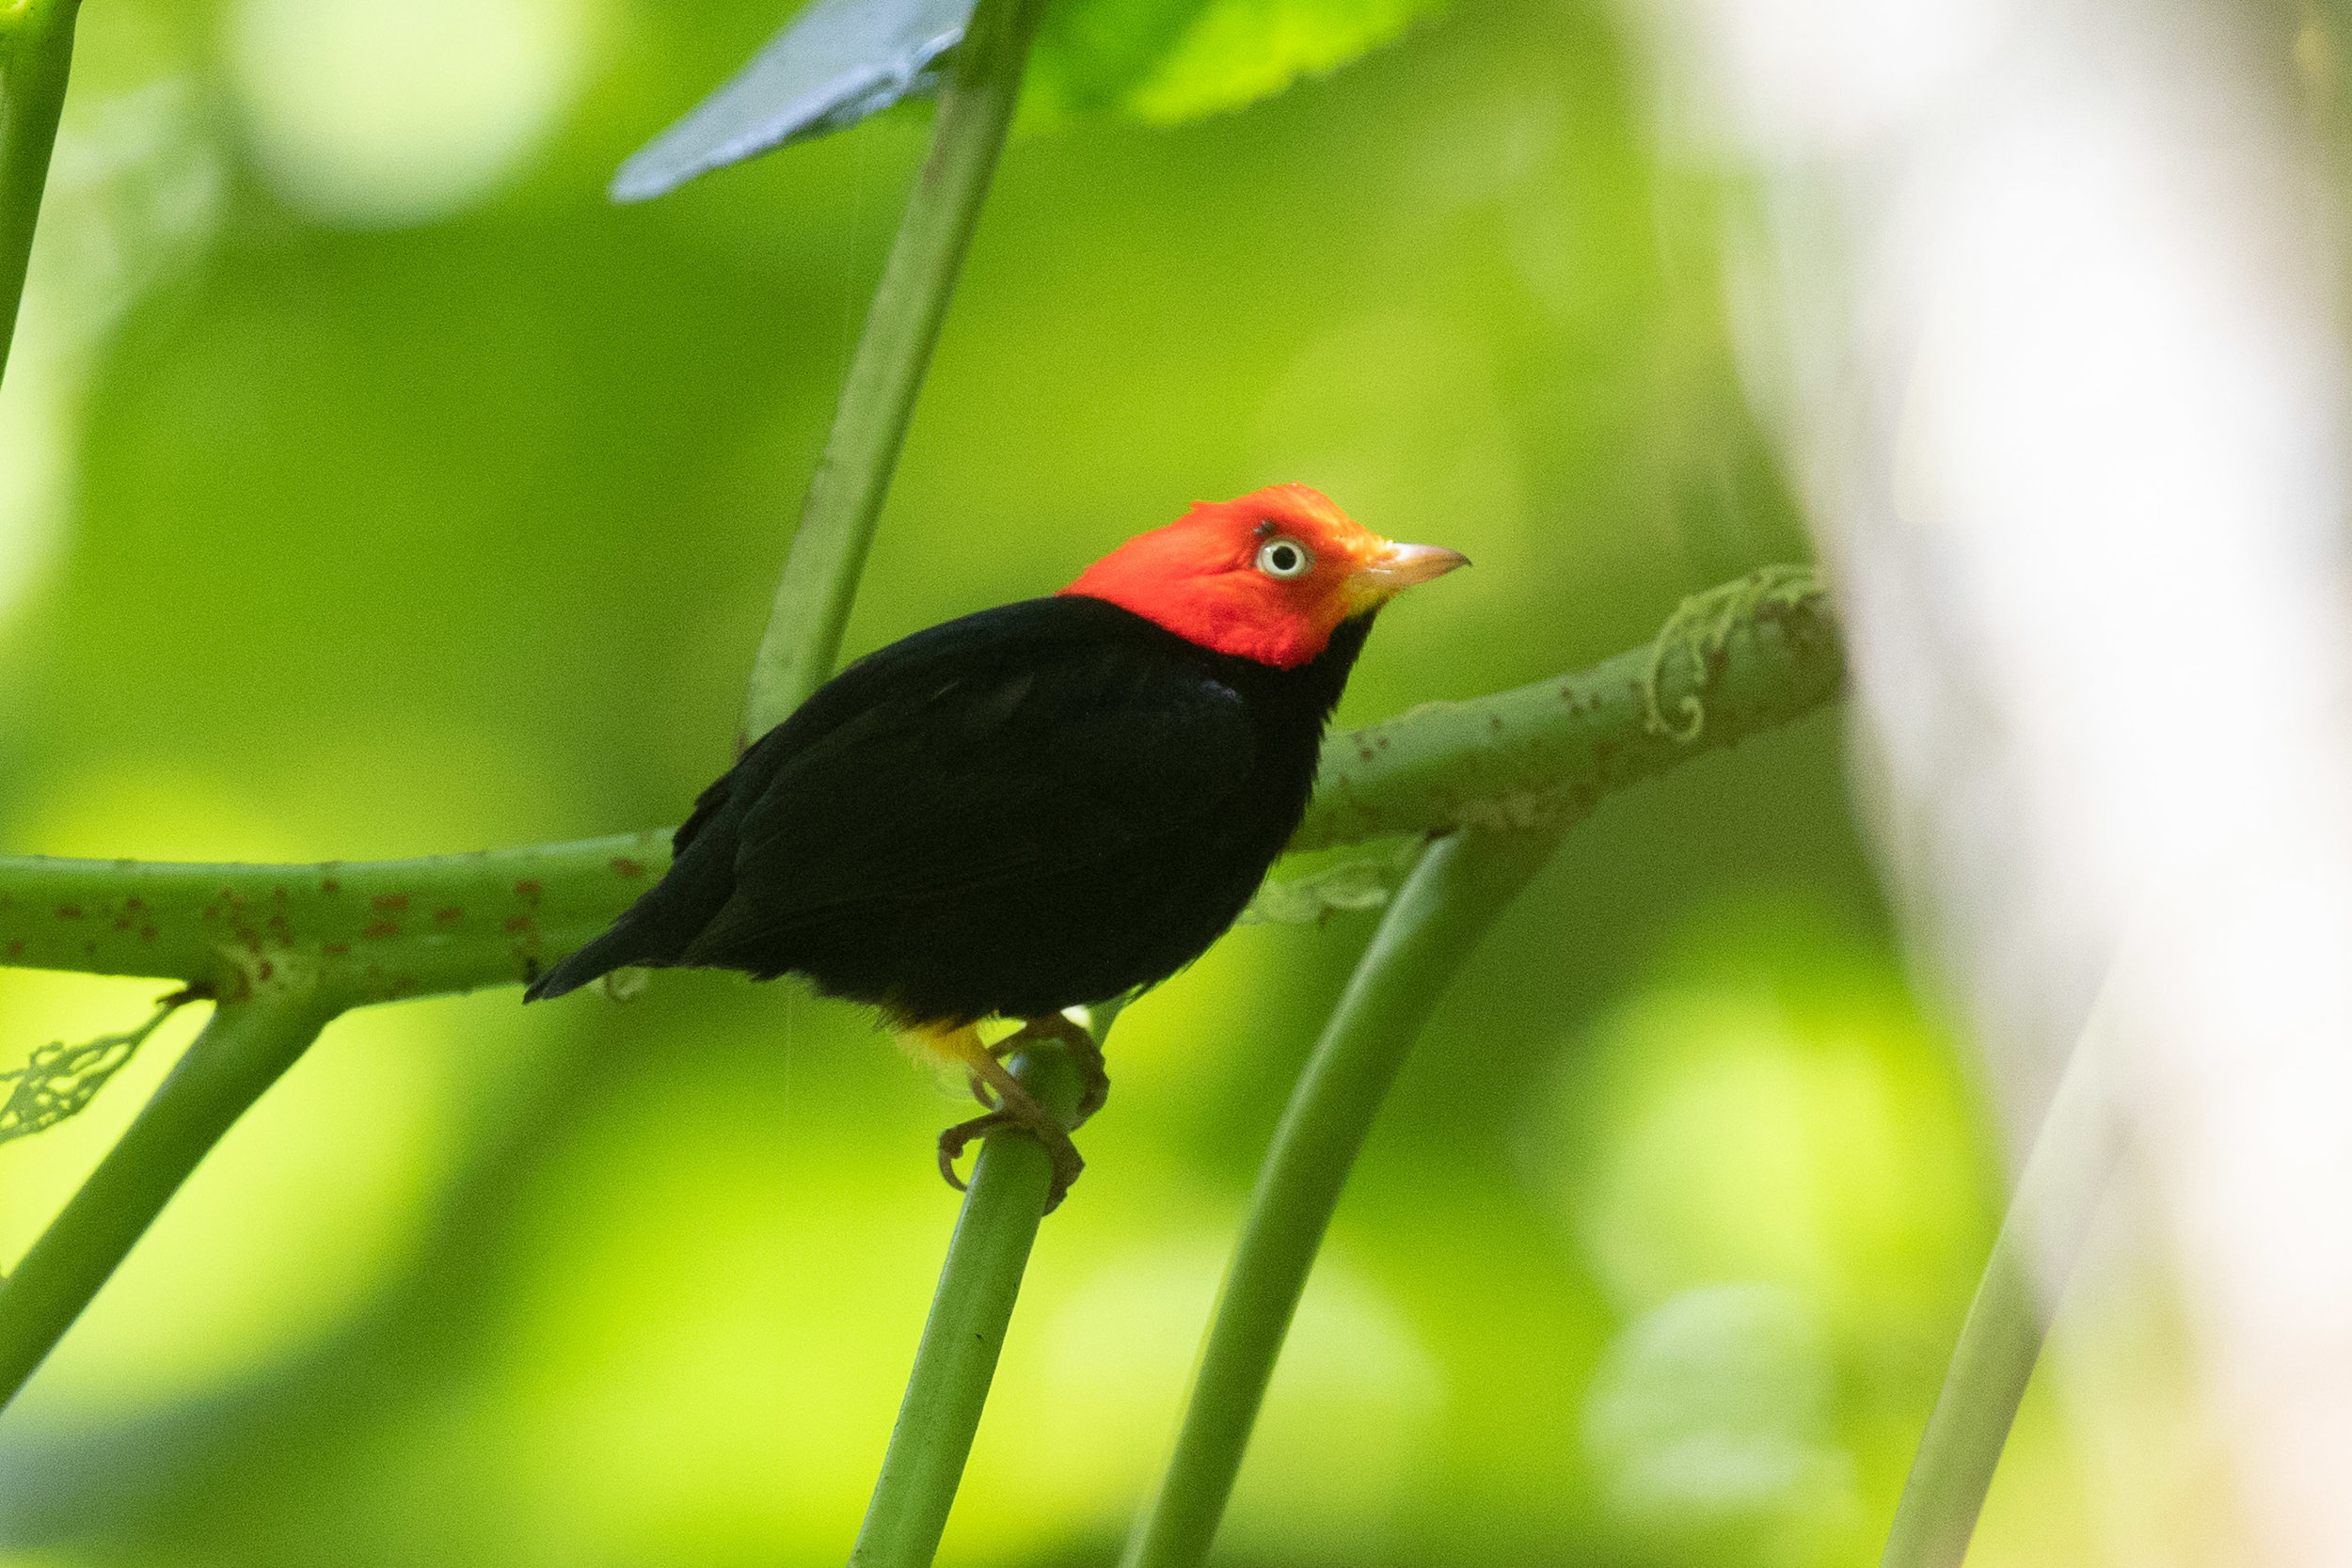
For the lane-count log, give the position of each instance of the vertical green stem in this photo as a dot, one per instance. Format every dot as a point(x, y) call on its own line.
point(957, 1358)
point(243, 1050)
point(2074, 1156)
point(981, 1277)
point(35, 56)
point(1435, 921)
point(845, 500)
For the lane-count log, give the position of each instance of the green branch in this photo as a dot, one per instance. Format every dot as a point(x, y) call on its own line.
point(2074, 1155)
point(363, 931)
point(964, 1334)
point(1733, 662)
point(1544, 755)
point(1453, 896)
point(36, 56)
point(288, 946)
point(243, 1048)
point(845, 500)
point(343, 935)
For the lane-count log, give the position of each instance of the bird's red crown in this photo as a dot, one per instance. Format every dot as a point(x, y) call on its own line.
point(1267, 576)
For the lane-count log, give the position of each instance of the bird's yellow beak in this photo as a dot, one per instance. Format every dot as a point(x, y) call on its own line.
point(1397, 568)
point(1403, 565)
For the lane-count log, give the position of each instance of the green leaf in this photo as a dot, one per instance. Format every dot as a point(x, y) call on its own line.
point(1157, 61)
point(60, 1079)
point(1093, 56)
point(1237, 52)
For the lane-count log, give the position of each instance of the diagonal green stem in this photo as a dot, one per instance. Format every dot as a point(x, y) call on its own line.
point(1455, 894)
point(845, 500)
point(36, 56)
point(2074, 1156)
point(957, 1358)
point(244, 1049)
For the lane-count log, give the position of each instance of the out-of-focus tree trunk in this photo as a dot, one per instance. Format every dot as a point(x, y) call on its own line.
point(2040, 299)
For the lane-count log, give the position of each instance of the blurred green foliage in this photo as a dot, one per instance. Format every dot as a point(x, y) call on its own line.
point(369, 487)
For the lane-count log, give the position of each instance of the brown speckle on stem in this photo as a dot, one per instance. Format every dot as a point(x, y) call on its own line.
point(382, 928)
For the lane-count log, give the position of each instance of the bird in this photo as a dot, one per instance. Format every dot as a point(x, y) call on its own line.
point(1050, 804)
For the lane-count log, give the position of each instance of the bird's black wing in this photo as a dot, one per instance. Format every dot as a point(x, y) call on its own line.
point(1036, 739)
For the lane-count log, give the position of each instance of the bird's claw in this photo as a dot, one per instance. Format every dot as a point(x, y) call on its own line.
point(1011, 1107)
point(1067, 1162)
point(1086, 1054)
point(956, 1139)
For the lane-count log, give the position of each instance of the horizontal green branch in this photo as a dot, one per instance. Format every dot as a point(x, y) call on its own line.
point(361, 931)
point(1734, 662)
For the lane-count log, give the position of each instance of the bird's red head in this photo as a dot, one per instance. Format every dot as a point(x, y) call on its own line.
point(1267, 576)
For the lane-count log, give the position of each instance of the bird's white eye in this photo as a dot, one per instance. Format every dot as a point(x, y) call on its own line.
point(1285, 558)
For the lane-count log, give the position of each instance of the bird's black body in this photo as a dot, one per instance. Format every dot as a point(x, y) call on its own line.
point(1047, 803)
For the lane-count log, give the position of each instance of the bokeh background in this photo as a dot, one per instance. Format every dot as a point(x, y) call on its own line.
point(370, 487)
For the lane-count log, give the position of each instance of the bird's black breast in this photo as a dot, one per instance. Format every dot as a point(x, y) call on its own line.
point(1051, 802)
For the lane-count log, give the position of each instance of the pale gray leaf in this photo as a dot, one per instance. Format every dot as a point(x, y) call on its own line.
point(836, 63)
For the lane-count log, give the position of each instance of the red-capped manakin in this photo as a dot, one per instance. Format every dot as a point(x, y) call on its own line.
point(1052, 802)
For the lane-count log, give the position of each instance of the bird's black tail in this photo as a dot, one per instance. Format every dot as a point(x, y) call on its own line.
point(622, 945)
point(656, 930)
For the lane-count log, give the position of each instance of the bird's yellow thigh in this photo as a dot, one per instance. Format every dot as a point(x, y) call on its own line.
point(946, 1048)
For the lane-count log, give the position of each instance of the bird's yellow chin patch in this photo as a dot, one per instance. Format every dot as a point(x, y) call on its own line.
point(951, 1047)
point(1360, 591)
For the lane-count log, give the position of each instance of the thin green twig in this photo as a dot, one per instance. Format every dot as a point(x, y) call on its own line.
point(845, 500)
point(36, 57)
point(962, 1339)
point(1436, 920)
point(2074, 1155)
point(243, 1050)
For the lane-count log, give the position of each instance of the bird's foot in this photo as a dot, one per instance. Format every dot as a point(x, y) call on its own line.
point(1015, 1111)
point(1094, 1079)
point(1012, 1107)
